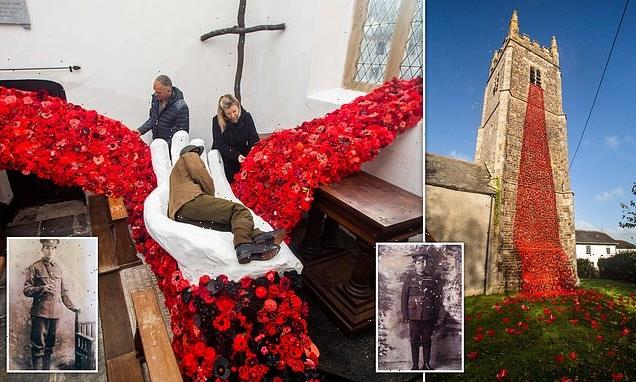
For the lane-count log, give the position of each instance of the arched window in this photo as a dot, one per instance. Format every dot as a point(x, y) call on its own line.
point(386, 42)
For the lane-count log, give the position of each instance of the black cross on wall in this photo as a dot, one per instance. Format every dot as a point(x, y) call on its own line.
point(241, 30)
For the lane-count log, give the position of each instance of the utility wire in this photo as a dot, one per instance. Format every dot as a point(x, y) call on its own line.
point(599, 86)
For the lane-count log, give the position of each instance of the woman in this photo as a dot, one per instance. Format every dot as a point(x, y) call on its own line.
point(233, 134)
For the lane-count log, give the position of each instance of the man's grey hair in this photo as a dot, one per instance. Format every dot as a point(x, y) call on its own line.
point(164, 80)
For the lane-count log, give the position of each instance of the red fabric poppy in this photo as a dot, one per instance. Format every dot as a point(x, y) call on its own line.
point(240, 343)
point(224, 304)
point(261, 292)
point(618, 377)
point(221, 323)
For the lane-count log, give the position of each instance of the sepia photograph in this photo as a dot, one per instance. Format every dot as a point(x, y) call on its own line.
point(52, 304)
point(419, 307)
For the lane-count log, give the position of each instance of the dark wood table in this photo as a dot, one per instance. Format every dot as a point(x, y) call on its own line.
point(373, 211)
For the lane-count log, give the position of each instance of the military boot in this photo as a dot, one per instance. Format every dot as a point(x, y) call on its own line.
point(36, 362)
point(415, 355)
point(46, 361)
point(427, 357)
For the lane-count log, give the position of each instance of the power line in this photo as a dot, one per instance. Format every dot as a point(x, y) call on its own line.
point(599, 86)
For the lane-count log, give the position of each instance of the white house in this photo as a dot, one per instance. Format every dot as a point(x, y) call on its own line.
point(594, 245)
point(625, 246)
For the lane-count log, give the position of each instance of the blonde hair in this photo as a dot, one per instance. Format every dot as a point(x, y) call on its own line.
point(225, 102)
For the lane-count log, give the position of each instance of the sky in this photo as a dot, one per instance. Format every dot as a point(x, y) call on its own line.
point(461, 37)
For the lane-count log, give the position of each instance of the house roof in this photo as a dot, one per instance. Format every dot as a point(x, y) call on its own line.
point(622, 244)
point(457, 175)
point(593, 237)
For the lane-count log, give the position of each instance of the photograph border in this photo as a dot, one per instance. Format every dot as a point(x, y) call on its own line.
point(97, 342)
point(463, 334)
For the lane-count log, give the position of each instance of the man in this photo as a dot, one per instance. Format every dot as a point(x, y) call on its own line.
point(422, 308)
point(168, 111)
point(192, 200)
point(45, 284)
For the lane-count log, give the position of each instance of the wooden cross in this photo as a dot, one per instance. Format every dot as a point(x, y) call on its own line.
point(241, 30)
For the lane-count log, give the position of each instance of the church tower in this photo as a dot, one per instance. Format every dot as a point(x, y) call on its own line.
point(519, 63)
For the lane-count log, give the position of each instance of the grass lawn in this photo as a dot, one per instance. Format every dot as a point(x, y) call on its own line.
point(589, 335)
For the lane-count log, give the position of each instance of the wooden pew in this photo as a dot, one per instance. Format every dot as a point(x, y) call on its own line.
point(156, 348)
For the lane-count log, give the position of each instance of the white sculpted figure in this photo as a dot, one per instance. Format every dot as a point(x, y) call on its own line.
point(200, 251)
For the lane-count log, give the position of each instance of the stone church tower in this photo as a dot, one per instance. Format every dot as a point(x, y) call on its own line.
point(519, 62)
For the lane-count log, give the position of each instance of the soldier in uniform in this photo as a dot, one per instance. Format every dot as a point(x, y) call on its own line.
point(45, 284)
point(422, 308)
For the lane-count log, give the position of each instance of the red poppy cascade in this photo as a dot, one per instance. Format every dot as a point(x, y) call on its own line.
point(247, 329)
point(278, 178)
point(545, 267)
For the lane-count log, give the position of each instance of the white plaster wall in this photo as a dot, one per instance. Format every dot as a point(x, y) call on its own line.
point(123, 45)
point(401, 162)
point(597, 252)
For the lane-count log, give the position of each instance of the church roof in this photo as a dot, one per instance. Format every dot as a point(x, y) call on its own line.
point(622, 244)
point(593, 237)
point(457, 175)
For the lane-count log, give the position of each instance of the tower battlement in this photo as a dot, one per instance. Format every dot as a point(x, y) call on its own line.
point(550, 54)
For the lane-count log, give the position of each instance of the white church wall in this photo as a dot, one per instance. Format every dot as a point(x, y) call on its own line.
point(288, 77)
point(597, 251)
point(401, 162)
point(456, 216)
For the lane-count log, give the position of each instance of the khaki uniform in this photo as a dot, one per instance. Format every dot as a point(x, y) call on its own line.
point(421, 307)
point(47, 306)
point(192, 197)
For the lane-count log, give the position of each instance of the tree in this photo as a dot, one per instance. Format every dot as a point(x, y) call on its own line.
point(628, 219)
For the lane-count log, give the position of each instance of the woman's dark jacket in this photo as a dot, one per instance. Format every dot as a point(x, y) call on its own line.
point(237, 139)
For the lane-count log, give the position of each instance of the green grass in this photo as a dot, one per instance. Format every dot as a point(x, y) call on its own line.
point(606, 309)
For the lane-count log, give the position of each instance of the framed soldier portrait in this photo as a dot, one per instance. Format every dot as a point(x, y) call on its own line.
point(419, 307)
point(52, 304)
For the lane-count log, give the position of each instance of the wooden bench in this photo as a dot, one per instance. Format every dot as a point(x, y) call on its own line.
point(119, 346)
point(120, 355)
point(109, 222)
point(156, 348)
point(124, 368)
point(373, 211)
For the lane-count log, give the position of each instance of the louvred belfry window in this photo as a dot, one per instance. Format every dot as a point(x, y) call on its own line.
point(535, 76)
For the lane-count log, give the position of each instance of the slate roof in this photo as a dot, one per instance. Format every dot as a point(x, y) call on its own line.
point(593, 237)
point(622, 244)
point(457, 175)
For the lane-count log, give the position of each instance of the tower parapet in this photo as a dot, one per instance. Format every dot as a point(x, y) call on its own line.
point(550, 54)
